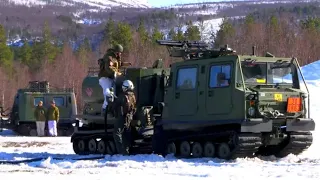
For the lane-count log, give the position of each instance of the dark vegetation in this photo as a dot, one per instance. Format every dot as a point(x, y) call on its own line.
point(288, 30)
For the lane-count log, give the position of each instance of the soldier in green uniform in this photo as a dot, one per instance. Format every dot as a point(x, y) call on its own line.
point(109, 70)
point(53, 118)
point(40, 115)
point(125, 109)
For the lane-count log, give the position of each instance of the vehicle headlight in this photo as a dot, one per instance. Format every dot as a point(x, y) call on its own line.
point(251, 111)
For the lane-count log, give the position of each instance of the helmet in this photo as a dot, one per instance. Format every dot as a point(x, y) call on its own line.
point(127, 85)
point(118, 48)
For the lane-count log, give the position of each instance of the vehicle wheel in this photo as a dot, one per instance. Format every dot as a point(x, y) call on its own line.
point(79, 147)
point(197, 150)
point(171, 148)
point(33, 132)
point(92, 146)
point(101, 147)
point(75, 147)
point(185, 149)
point(234, 141)
point(224, 151)
point(209, 149)
point(111, 148)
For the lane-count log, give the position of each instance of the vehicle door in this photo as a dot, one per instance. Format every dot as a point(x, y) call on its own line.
point(185, 90)
point(219, 90)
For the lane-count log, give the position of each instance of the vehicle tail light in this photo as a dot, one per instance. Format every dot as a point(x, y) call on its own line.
point(294, 104)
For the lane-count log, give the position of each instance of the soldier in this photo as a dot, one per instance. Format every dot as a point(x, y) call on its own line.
point(109, 70)
point(125, 109)
point(40, 115)
point(53, 118)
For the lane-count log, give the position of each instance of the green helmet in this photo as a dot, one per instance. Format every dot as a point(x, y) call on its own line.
point(118, 48)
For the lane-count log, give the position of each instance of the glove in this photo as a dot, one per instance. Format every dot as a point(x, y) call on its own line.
point(111, 96)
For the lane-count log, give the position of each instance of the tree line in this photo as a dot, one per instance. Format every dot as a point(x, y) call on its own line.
point(282, 35)
point(64, 68)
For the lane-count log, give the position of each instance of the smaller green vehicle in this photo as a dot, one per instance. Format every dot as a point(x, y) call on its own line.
point(21, 118)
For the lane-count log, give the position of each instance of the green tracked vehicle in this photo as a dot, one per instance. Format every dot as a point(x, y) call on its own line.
point(92, 125)
point(214, 103)
point(21, 118)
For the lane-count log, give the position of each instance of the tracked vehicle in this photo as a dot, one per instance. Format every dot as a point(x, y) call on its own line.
point(93, 130)
point(21, 118)
point(214, 103)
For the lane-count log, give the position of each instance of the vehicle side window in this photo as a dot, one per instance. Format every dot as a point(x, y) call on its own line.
point(215, 74)
point(36, 100)
point(186, 78)
point(59, 101)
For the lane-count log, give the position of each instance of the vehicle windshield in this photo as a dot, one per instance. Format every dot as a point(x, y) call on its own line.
point(267, 72)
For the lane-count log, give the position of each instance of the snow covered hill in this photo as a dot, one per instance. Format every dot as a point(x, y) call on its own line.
point(60, 162)
point(231, 3)
point(98, 4)
point(92, 13)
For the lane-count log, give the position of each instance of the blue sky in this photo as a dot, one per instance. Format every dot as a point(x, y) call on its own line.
point(159, 3)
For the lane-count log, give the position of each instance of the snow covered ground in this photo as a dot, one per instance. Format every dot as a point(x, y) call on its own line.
point(304, 166)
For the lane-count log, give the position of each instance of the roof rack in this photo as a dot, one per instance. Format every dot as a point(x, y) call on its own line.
point(190, 50)
point(43, 87)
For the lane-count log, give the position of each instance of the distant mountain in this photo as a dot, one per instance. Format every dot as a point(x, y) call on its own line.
point(97, 4)
point(75, 19)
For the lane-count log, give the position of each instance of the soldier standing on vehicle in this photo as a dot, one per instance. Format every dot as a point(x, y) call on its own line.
point(40, 115)
point(109, 70)
point(53, 118)
point(125, 109)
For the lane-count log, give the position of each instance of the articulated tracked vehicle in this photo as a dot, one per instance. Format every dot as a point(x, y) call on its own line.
point(21, 118)
point(214, 103)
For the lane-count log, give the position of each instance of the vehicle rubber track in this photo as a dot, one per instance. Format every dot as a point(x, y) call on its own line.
point(247, 145)
point(244, 146)
point(239, 145)
point(296, 143)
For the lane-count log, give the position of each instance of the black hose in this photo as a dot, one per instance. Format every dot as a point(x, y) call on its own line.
point(43, 158)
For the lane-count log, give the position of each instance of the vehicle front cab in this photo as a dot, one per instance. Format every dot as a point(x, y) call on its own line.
point(275, 93)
